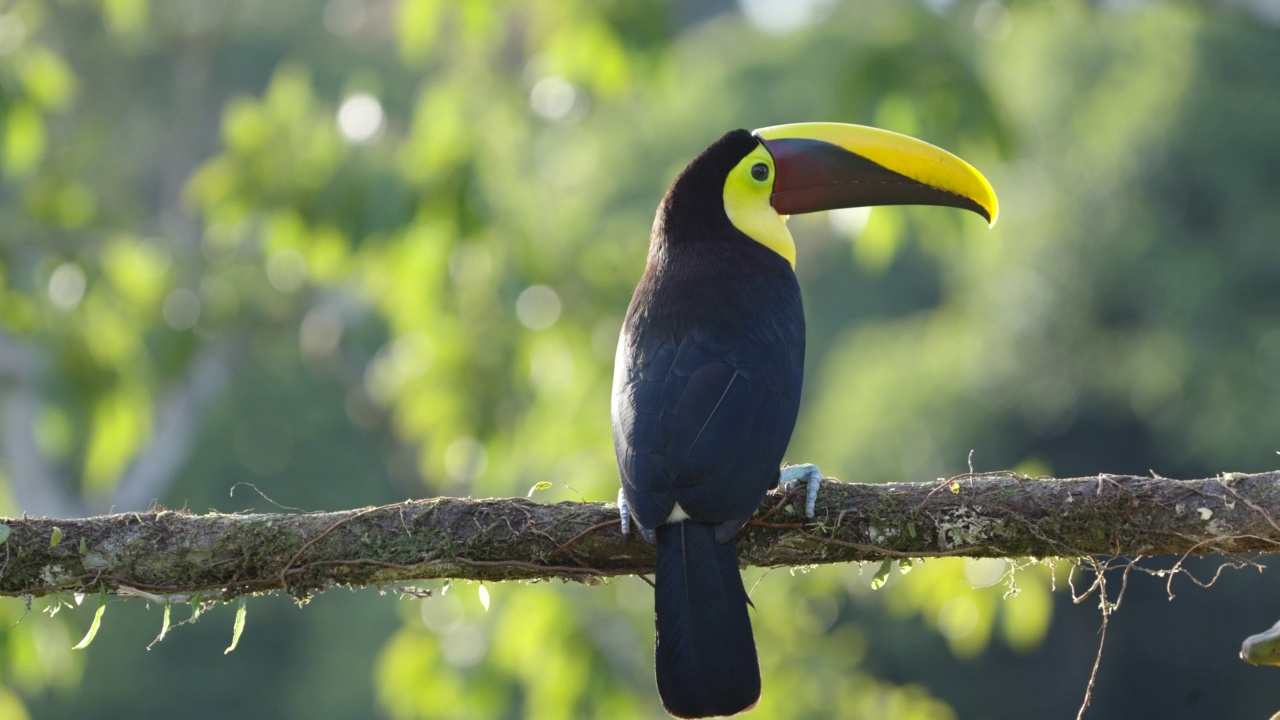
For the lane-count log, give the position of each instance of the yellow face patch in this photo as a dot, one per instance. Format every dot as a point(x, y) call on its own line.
point(746, 202)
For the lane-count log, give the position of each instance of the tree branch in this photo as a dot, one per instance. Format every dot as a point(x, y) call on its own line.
point(987, 515)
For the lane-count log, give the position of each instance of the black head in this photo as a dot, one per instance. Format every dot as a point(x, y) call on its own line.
point(694, 204)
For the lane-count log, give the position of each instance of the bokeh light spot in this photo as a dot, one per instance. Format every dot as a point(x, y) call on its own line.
point(287, 270)
point(344, 17)
point(538, 307)
point(181, 309)
point(67, 285)
point(553, 98)
point(985, 572)
point(320, 332)
point(849, 222)
point(360, 118)
point(784, 16)
point(958, 618)
point(12, 32)
point(464, 647)
point(465, 459)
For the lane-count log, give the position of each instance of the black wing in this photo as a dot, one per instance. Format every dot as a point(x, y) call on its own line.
point(704, 421)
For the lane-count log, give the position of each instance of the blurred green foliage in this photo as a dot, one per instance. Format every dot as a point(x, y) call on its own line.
point(394, 240)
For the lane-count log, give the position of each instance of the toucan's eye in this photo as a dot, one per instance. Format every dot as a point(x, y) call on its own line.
point(760, 172)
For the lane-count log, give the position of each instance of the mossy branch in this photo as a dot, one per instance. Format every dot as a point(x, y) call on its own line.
point(222, 557)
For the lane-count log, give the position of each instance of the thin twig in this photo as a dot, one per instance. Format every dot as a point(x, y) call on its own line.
point(318, 538)
point(583, 534)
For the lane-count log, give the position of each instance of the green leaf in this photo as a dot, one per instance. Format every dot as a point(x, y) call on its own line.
point(238, 628)
point(97, 622)
point(245, 127)
point(47, 78)
point(84, 546)
point(121, 416)
point(24, 139)
point(1263, 648)
point(164, 624)
point(880, 240)
point(4, 533)
point(55, 538)
point(484, 597)
point(540, 486)
point(126, 17)
point(905, 565)
point(416, 29)
point(882, 575)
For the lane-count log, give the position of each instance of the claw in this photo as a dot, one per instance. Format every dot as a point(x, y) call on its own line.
point(812, 476)
point(624, 512)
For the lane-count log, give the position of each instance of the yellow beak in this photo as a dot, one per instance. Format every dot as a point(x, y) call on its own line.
point(823, 166)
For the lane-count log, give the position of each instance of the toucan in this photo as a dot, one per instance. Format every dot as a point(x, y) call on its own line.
point(709, 365)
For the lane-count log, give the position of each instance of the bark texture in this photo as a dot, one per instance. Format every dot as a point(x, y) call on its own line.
point(990, 515)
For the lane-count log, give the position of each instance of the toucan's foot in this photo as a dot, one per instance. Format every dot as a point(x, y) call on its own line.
point(812, 477)
point(625, 513)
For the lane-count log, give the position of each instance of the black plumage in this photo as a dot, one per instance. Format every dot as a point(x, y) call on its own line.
point(706, 392)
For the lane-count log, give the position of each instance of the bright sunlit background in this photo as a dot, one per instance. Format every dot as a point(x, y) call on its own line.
point(358, 251)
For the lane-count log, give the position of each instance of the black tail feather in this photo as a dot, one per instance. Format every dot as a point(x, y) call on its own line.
point(706, 655)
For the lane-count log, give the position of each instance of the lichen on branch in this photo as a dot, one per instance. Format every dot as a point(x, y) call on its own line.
point(221, 557)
